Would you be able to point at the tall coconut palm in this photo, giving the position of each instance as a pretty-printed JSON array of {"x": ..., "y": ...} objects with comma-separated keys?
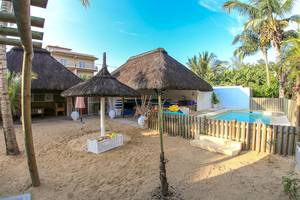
[
  {"x": 251, "y": 43},
  {"x": 269, "y": 14},
  {"x": 8, "y": 126},
  {"x": 292, "y": 58},
  {"x": 200, "y": 65}
]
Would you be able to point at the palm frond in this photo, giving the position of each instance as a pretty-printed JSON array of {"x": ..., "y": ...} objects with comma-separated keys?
[
  {"x": 255, "y": 24},
  {"x": 287, "y": 6},
  {"x": 241, "y": 7},
  {"x": 295, "y": 18},
  {"x": 85, "y": 3}
]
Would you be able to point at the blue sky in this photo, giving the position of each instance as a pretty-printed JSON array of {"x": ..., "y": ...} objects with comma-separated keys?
[{"x": 124, "y": 28}]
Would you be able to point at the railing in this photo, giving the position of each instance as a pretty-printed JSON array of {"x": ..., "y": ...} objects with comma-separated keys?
[
  {"x": 258, "y": 137},
  {"x": 276, "y": 105},
  {"x": 268, "y": 104}
]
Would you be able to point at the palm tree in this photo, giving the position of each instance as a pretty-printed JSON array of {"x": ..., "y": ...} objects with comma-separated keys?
[
  {"x": 201, "y": 65},
  {"x": 292, "y": 58},
  {"x": 251, "y": 43},
  {"x": 14, "y": 86},
  {"x": 8, "y": 126},
  {"x": 269, "y": 16}
]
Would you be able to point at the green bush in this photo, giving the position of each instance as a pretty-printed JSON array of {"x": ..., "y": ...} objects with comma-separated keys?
[
  {"x": 290, "y": 186},
  {"x": 214, "y": 99}
]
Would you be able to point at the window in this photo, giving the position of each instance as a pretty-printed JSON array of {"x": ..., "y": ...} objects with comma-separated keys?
[
  {"x": 42, "y": 98},
  {"x": 81, "y": 64},
  {"x": 49, "y": 98},
  {"x": 63, "y": 61}
]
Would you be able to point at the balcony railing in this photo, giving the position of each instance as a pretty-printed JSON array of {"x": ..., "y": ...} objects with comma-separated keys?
[{"x": 90, "y": 67}]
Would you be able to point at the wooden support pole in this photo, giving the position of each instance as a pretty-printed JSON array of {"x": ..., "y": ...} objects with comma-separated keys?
[
  {"x": 102, "y": 117},
  {"x": 11, "y": 18},
  {"x": 8, "y": 31},
  {"x": 163, "y": 174},
  {"x": 122, "y": 111},
  {"x": 37, "y": 3},
  {"x": 22, "y": 12},
  {"x": 15, "y": 42}
]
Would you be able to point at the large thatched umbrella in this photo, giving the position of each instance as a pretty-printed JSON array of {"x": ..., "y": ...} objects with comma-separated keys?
[
  {"x": 101, "y": 85},
  {"x": 157, "y": 71}
]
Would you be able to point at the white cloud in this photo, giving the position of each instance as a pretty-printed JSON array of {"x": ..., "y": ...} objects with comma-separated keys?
[
  {"x": 212, "y": 5},
  {"x": 295, "y": 11},
  {"x": 128, "y": 32},
  {"x": 234, "y": 30}
]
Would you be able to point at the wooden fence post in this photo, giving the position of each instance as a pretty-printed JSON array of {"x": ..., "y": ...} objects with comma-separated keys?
[{"x": 258, "y": 138}]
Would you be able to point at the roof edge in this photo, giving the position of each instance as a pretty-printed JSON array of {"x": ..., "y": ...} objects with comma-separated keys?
[
  {"x": 35, "y": 50},
  {"x": 160, "y": 49}
]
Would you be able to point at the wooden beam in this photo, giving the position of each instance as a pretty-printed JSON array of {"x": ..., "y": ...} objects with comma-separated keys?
[
  {"x": 37, "y": 3},
  {"x": 10, "y": 18},
  {"x": 8, "y": 31},
  {"x": 16, "y": 42}
]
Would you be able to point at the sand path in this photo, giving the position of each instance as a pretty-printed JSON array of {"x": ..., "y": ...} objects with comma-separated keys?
[{"x": 131, "y": 171}]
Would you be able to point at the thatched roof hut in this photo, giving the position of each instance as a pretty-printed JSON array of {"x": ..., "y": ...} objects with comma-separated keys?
[
  {"x": 101, "y": 85},
  {"x": 51, "y": 75},
  {"x": 157, "y": 70}
]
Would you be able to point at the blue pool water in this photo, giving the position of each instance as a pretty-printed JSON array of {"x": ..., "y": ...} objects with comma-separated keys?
[
  {"x": 173, "y": 113},
  {"x": 250, "y": 117}
]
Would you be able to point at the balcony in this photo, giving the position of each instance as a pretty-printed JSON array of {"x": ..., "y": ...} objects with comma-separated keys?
[{"x": 86, "y": 67}]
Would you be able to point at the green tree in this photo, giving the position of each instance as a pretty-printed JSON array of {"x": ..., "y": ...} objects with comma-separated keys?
[
  {"x": 7, "y": 120},
  {"x": 200, "y": 65},
  {"x": 292, "y": 58},
  {"x": 14, "y": 85},
  {"x": 268, "y": 16},
  {"x": 251, "y": 43},
  {"x": 207, "y": 66}
]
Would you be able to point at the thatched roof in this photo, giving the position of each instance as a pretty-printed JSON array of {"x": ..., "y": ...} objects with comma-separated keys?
[
  {"x": 102, "y": 85},
  {"x": 157, "y": 70},
  {"x": 51, "y": 75}
]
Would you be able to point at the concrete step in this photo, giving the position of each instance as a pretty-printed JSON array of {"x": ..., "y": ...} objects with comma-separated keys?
[{"x": 219, "y": 145}]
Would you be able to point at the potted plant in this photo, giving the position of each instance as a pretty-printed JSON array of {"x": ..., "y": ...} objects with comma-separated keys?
[{"x": 214, "y": 100}]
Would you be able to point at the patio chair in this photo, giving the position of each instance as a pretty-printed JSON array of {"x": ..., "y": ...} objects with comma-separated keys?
[{"x": 60, "y": 108}]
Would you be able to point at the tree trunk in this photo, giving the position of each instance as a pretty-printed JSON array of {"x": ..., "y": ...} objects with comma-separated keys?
[
  {"x": 8, "y": 126},
  {"x": 22, "y": 13},
  {"x": 298, "y": 98},
  {"x": 265, "y": 53},
  {"x": 162, "y": 167},
  {"x": 281, "y": 87},
  {"x": 280, "y": 73}
]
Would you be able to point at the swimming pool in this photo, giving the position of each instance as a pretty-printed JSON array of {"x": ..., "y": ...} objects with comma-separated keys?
[
  {"x": 173, "y": 113},
  {"x": 244, "y": 116}
]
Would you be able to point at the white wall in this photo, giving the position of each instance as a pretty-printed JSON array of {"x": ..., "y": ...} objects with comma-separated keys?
[
  {"x": 236, "y": 97},
  {"x": 203, "y": 100}
]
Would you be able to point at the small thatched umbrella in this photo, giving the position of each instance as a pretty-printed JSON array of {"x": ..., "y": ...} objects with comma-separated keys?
[{"x": 101, "y": 85}]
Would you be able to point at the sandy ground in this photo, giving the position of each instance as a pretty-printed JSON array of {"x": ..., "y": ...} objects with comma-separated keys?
[{"x": 131, "y": 171}]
